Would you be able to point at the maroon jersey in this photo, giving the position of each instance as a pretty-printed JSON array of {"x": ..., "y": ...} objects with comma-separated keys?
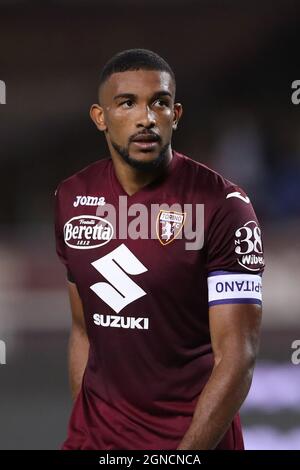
[{"x": 147, "y": 268}]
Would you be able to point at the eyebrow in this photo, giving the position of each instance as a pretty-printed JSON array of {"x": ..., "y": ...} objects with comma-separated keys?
[{"x": 132, "y": 96}]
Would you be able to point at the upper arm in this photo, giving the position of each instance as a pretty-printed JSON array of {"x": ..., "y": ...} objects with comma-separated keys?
[
  {"x": 76, "y": 306},
  {"x": 234, "y": 330},
  {"x": 78, "y": 320},
  {"x": 235, "y": 265}
]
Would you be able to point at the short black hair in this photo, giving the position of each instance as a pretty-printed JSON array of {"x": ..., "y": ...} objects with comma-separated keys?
[{"x": 135, "y": 59}]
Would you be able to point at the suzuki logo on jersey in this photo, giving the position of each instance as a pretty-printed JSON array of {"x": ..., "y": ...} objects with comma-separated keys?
[
  {"x": 169, "y": 225},
  {"x": 115, "y": 321},
  {"x": 89, "y": 201},
  {"x": 120, "y": 290},
  {"x": 87, "y": 231},
  {"x": 249, "y": 246}
]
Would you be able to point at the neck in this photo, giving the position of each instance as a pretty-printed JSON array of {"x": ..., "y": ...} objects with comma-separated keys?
[{"x": 133, "y": 179}]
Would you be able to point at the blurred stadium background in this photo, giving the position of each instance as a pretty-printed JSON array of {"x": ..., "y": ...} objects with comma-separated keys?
[{"x": 234, "y": 62}]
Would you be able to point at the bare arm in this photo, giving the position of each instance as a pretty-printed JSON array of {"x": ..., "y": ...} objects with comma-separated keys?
[
  {"x": 78, "y": 342},
  {"x": 234, "y": 333}
]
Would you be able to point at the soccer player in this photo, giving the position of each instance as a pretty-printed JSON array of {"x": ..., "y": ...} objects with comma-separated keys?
[{"x": 164, "y": 334}]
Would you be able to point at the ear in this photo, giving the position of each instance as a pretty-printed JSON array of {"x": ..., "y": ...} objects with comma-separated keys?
[
  {"x": 97, "y": 115},
  {"x": 177, "y": 113}
]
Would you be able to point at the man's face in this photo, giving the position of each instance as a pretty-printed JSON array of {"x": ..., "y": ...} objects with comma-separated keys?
[{"x": 138, "y": 115}]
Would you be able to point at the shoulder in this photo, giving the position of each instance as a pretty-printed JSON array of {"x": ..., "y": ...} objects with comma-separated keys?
[
  {"x": 83, "y": 177},
  {"x": 210, "y": 184}
]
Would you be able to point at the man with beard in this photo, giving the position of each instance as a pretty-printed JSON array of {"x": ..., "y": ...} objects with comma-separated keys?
[{"x": 164, "y": 338}]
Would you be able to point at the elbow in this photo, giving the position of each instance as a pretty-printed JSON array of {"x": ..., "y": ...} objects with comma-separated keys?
[
  {"x": 238, "y": 363},
  {"x": 249, "y": 358}
]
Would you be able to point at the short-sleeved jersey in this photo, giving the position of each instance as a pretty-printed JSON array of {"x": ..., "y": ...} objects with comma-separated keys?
[{"x": 147, "y": 268}]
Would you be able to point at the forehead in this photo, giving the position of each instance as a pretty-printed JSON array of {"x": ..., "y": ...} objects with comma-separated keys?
[{"x": 137, "y": 82}]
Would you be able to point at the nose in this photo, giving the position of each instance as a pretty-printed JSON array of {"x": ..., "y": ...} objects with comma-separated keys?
[{"x": 146, "y": 118}]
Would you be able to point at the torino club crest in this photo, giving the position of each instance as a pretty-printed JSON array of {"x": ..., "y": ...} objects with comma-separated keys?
[{"x": 169, "y": 225}]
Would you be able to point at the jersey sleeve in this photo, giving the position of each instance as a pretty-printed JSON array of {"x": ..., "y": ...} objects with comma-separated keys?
[
  {"x": 59, "y": 234},
  {"x": 235, "y": 259}
]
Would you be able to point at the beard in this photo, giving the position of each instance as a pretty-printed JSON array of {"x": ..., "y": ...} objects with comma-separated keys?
[{"x": 147, "y": 166}]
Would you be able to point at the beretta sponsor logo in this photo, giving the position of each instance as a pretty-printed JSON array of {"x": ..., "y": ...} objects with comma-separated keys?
[{"x": 87, "y": 231}]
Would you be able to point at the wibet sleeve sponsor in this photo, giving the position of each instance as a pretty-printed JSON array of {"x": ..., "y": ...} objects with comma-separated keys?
[{"x": 249, "y": 246}]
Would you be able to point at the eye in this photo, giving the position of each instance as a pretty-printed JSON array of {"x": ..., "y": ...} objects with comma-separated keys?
[
  {"x": 127, "y": 104},
  {"x": 161, "y": 103}
]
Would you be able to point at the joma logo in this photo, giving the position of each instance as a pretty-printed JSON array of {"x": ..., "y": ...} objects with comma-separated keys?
[{"x": 89, "y": 201}]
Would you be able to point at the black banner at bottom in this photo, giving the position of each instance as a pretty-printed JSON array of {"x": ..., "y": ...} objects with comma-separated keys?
[{"x": 133, "y": 459}]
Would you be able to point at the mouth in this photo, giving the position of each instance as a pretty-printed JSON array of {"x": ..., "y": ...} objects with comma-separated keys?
[
  {"x": 146, "y": 141},
  {"x": 145, "y": 145}
]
